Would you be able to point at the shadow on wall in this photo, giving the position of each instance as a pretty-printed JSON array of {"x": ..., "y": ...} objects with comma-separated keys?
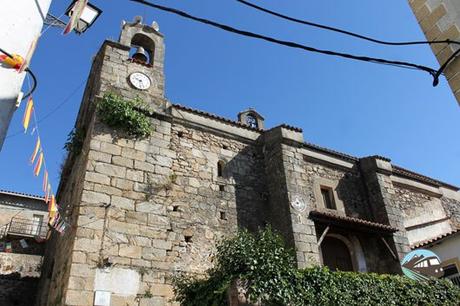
[
  {"x": 17, "y": 291},
  {"x": 245, "y": 171}
]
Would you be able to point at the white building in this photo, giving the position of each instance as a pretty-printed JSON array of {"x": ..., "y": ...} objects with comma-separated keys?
[{"x": 20, "y": 24}]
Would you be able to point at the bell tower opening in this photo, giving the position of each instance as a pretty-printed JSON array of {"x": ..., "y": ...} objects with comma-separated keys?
[{"x": 142, "y": 49}]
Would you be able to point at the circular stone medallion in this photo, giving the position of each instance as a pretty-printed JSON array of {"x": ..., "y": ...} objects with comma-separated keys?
[{"x": 298, "y": 204}]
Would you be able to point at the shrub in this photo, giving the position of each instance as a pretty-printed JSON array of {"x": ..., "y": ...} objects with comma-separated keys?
[
  {"x": 125, "y": 115},
  {"x": 268, "y": 270}
]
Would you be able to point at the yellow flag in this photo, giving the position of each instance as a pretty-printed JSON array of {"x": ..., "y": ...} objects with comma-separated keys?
[{"x": 28, "y": 114}]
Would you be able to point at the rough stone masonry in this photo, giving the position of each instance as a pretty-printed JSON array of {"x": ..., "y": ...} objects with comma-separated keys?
[{"x": 143, "y": 210}]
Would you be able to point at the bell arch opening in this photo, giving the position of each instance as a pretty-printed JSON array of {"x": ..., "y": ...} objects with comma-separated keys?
[{"x": 142, "y": 44}]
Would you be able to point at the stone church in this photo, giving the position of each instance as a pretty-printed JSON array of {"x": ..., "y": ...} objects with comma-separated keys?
[{"x": 142, "y": 210}]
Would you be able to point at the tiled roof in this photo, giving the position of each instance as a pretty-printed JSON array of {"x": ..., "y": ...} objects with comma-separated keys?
[
  {"x": 434, "y": 240},
  {"x": 331, "y": 152},
  {"x": 215, "y": 117},
  {"x": 20, "y": 194},
  {"x": 419, "y": 177},
  {"x": 354, "y": 222}
]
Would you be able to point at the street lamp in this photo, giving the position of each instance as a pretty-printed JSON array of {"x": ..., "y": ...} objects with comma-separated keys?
[{"x": 88, "y": 17}]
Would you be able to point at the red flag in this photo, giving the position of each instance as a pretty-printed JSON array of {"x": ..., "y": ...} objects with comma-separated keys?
[
  {"x": 28, "y": 114},
  {"x": 34, "y": 154},
  {"x": 38, "y": 165}
]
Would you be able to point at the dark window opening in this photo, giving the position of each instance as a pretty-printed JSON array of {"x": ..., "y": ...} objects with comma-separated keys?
[
  {"x": 188, "y": 239},
  {"x": 180, "y": 134},
  {"x": 175, "y": 208},
  {"x": 328, "y": 198},
  {"x": 221, "y": 188},
  {"x": 251, "y": 120},
  {"x": 225, "y": 147},
  {"x": 223, "y": 215},
  {"x": 220, "y": 168},
  {"x": 336, "y": 255},
  {"x": 450, "y": 270}
]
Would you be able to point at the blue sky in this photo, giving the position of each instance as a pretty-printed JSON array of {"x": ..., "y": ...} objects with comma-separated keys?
[{"x": 357, "y": 108}]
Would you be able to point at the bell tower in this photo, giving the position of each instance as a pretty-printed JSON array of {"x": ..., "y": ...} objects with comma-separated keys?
[{"x": 133, "y": 66}]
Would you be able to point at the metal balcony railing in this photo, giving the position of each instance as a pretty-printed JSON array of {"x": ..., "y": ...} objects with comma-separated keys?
[{"x": 24, "y": 228}]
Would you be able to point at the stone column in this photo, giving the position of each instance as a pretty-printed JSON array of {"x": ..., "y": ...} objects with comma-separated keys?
[
  {"x": 289, "y": 193},
  {"x": 376, "y": 173}
]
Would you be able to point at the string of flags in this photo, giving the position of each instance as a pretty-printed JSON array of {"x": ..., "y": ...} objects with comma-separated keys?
[{"x": 37, "y": 159}]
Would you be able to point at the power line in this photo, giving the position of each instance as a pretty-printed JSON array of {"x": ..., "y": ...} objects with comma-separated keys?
[
  {"x": 356, "y": 35},
  {"x": 434, "y": 73},
  {"x": 67, "y": 99}
]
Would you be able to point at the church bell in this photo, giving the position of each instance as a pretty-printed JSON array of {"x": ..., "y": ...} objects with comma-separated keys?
[{"x": 140, "y": 55}]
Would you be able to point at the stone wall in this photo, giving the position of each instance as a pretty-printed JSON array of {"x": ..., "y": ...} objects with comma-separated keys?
[
  {"x": 426, "y": 215},
  {"x": 19, "y": 275},
  {"x": 440, "y": 20}
]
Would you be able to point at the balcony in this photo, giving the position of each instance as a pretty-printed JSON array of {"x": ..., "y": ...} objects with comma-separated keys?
[{"x": 24, "y": 228}]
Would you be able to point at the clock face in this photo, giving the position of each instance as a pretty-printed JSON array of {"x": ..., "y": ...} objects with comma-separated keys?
[{"x": 140, "y": 80}]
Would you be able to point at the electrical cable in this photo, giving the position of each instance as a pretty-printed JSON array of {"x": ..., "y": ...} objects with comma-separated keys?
[
  {"x": 329, "y": 28},
  {"x": 434, "y": 73},
  {"x": 34, "y": 78},
  {"x": 66, "y": 99}
]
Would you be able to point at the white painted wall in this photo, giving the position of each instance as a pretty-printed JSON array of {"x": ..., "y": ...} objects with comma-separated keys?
[
  {"x": 20, "y": 22},
  {"x": 448, "y": 248}
]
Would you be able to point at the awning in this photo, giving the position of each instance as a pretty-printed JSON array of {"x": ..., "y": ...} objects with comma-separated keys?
[{"x": 356, "y": 224}]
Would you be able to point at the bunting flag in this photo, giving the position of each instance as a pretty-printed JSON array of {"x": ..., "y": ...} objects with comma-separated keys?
[
  {"x": 54, "y": 220},
  {"x": 45, "y": 180},
  {"x": 38, "y": 165},
  {"x": 47, "y": 194},
  {"x": 36, "y": 149},
  {"x": 26, "y": 62},
  {"x": 76, "y": 13},
  {"x": 28, "y": 114},
  {"x": 12, "y": 62},
  {"x": 52, "y": 208}
]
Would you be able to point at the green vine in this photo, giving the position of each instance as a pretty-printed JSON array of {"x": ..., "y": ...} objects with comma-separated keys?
[
  {"x": 125, "y": 115},
  {"x": 75, "y": 139},
  {"x": 268, "y": 274}
]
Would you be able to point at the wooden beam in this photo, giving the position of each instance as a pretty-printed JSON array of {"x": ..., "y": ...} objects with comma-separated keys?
[
  {"x": 389, "y": 248},
  {"x": 323, "y": 235}
]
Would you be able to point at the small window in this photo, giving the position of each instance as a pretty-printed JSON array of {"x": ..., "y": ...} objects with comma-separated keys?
[
  {"x": 220, "y": 168},
  {"x": 223, "y": 215},
  {"x": 221, "y": 188},
  {"x": 328, "y": 198},
  {"x": 188, "y": 239}
]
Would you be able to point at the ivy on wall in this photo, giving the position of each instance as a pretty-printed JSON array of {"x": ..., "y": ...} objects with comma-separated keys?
[
  {"x": 267, "y": 269},
  {"x": 125, "y": 115}
]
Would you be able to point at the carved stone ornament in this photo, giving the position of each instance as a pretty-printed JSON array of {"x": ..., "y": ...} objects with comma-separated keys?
[{"x": 298, "y": 204}]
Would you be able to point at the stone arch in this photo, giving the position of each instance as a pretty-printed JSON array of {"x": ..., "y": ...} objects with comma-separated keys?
[{"x": 144, "y": 41}]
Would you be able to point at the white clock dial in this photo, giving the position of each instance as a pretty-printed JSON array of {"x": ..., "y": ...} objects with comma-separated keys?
[{"x": 140, "y": 80}]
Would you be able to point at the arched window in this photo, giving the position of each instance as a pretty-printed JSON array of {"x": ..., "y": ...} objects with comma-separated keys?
[
  {"x": 220, "y": 168},
  {"x": 143, "y": 44}
]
